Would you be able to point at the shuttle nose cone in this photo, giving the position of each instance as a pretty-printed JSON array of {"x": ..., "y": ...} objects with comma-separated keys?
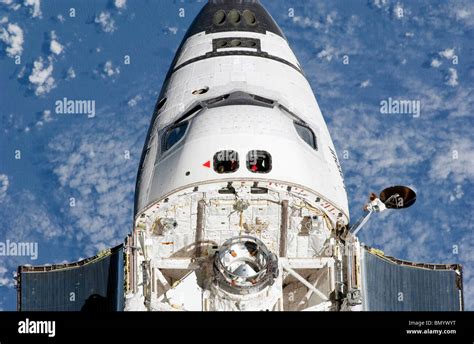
[{"x": 234, "y": 15}]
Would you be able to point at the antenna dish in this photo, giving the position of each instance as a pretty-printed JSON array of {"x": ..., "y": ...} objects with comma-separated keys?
[{"x": 398, "y": 197}]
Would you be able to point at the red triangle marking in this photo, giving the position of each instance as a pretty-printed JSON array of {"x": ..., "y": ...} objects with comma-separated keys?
[{"x": 207, "y": 164}]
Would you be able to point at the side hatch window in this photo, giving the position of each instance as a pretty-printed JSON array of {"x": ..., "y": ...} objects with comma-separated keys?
[
  {"x": 259, "y": 161},
  {"x": 226, "y": 161}
]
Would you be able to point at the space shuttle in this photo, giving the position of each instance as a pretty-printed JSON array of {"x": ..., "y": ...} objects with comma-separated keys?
[{"x": 240, "y": 203}]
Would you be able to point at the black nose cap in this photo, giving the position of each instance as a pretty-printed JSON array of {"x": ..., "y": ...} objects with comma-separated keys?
[{"x": 234, "y": 15}]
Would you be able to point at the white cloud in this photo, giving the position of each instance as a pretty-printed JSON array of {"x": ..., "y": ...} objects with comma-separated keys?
[
  {"x": 456, "y": 163},
  {"x": 330, "y": 18},
  {"x": 41, "y": 77},
  {"x": 327, "y": 53},
  {"x": 447, "y": 53},
  {"x": 380, "y": 3},
  {"x": 398, "y": 11},
  {"x": 458, "y": 193},
  {"x": 435, "y": 63},
  {"x": 462, "y": 11},
  {"x": 55, "y": 47},
  {"x": 451, "y": 78},
  {"x": 134, "y": 101},
  {"x": 109, "y": 70},
  {"x": 461, "y": 103},
  {"x": 106, "y": 22},
  {"x": 321, "y": 24},
  {"x": 32, "y": 218},
  {"x": 94, "y": 169},
  {"x": 173, "y": 30},
  {"x": 71, "y": 74},
  {"x": 4, "y": 183},
  {"x": 120, "y": 3},
  {"x": 35, "y": 7},
  {"x": 306, "y": 22},
  {"x": 11, "y": 4},
  {"x": 13, "y": 38},
  {"x": 5, "y": 281},
  {"x": 21, "y": 73},
  {"x": 45, "y": 118}
]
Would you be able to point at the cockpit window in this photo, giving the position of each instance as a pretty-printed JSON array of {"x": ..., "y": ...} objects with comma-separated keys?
[
  {"x": 226, "y": 161},
  {"x": 174, "y": 134},
  {"x": 259, "y": 161},
  {"x": 306, "y": 134}
]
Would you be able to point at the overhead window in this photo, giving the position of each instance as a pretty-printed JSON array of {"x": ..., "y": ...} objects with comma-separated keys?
[
  {"x": 306, "y": 134},
  {"x": 259, "y": 161},
  {"x": 174, "y": 134},
  {"x": 226, "y": 161}
]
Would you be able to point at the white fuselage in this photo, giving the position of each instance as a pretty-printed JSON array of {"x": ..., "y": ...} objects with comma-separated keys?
[
  {"x": 241, "y": 128},
  {"x": 246, "y": 98}
]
